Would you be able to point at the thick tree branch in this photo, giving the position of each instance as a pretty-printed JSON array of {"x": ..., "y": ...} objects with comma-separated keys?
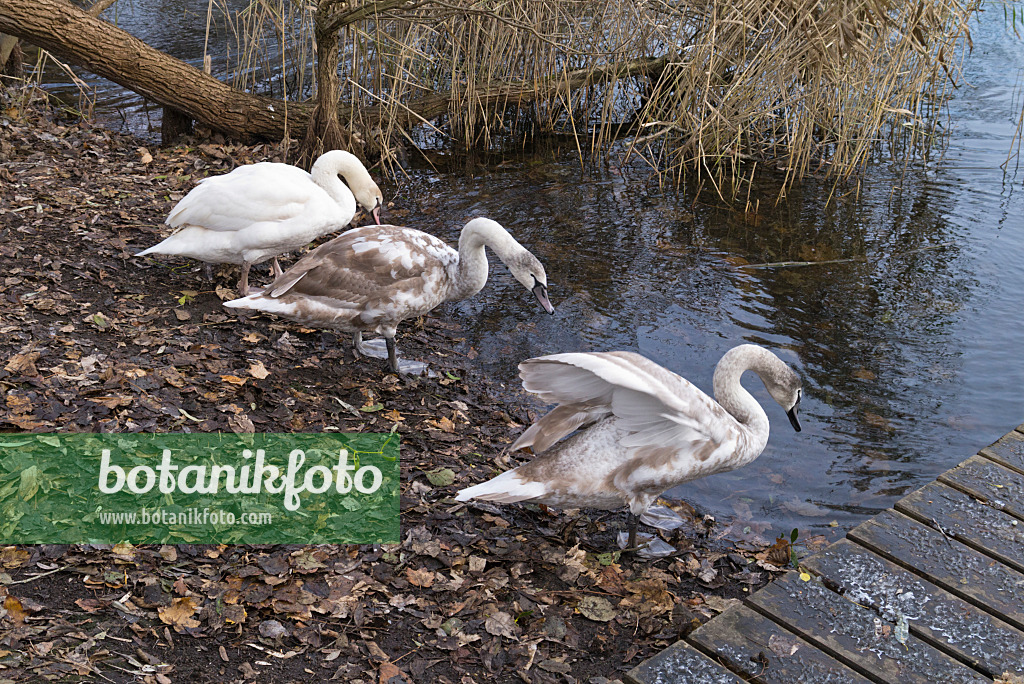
[{"x": 337, "y": 21}]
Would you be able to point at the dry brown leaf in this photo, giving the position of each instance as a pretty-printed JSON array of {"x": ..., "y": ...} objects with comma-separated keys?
[
  {"x": 123, "y": 550},
  {"x": 23, "y": 364},
  {"x": 445, "y": 424},
  {"x": 501, "y": 624},
  {"x": 111, "y": 402},
  {"x": 15, "y": 611},
  {"x": 13, "y": 557},
  {"x": 234, "y": 614},
  {"x": 179, "y": 614},
  {"x": 420, "y": 578},
  {"x": 241, "y": 424},
  {"x": 91, "y": 605},
  {"x": 234, "y": 379},
  {"x": 391, "y": 674},
  {"x": 648, "y": 597},
  {"x": 258, "y": 370}
]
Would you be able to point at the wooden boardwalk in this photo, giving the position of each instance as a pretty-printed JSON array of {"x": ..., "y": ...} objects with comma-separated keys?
[{"x": 929, "y": 591}]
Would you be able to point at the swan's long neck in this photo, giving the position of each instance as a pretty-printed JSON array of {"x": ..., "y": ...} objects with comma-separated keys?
[
  {"x": 737, "y": 400},
  {"x": 325, "y": 174},
  {"x": 472, "y": 272}
]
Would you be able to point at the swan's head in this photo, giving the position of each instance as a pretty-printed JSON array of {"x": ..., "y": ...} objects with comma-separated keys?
[
  {"x": 528, "y": 270},
  {"x": 348, "y": 166},
  {"x": 784, "y": 386},
  {"x": 368, "y": 195}
]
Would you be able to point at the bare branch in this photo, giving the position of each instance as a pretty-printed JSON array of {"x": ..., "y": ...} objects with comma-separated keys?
[{"x": 97, "y": 9}]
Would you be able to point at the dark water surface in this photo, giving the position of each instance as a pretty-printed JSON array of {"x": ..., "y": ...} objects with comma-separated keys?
[{"x": 910, "y": 351}]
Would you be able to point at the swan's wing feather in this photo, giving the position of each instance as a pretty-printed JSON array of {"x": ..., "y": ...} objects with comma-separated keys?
[
  {"x": 659, "y": 408},
  {"x": 256, "y": 193},
  {"x": 372, "y": 263},
  {"x": 559, "y": 422}
]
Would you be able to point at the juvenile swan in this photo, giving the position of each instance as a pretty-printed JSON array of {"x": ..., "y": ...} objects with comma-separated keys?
[
  {"x": 641, "y": 429},
  {"x": 263, "y": 210},
  {"x": 373, "y": 278}
]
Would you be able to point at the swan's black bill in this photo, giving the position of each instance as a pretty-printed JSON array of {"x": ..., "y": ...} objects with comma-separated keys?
[
  {"x": 793, "y": 420},
  {"x": 541, "y": 293}
]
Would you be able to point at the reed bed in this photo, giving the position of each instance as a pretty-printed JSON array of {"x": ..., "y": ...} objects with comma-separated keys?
[{"x": 705, "y": 87}]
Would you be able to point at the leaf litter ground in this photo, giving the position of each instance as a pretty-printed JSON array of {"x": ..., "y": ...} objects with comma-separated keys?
[{"x": 93, "y": 340}]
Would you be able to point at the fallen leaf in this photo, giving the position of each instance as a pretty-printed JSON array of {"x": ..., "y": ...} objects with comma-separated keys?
[
  {"x": 420, "y": 578},
  {"x": 502, "y": 624},
  {"x": 234, "y": 379},
  {"x": 445, "y": 424},
  {"x": 258, "y": 370},
  {"x": 389, "y": 673},
  {"x": 91, "y": 605},
  {"x": 272, "y": 629},
  {"x": 596, "y": 608},
  {"x": 23, "y": 364},
  {"x": 29, "y": 483},
  {"x": 783, "y": 645},
  {"x": 442, "y": 477},
  {"x": 13, "y": 557},
  {"x": 179, "y": 614},
  {"x": 15, "y": 611}
]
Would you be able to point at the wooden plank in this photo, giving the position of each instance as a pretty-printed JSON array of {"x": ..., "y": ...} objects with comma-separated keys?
[
  {"x": 754, "y": 645},
  {"x": 681, "y": 662},
  {"x": 1009, "y": 451},
  {"x": 955, "y": 567},
  {"x": 931, "y": 613},
  {"x": 1000, "y": 487},
  {"x": 857, "y": 635},
  {"x": 968, "y": 520}
]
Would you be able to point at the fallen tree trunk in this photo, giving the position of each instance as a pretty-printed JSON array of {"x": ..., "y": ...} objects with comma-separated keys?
[{"x": 105, "y": 50}]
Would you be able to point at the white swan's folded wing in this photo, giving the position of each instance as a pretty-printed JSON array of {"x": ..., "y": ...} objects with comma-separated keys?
[
  {"x": 255, "y": 193},
  {"x": 660, "y": 409}
]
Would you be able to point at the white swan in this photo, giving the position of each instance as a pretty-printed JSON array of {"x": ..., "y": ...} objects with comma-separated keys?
[
  {"x": 642, "y": 429},
  {"x": 260, "y": 211},
  {"x": 373, "y": 278}
]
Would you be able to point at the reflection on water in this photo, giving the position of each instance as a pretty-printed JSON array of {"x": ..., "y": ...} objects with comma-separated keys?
[{"x": 908, "y": 341}]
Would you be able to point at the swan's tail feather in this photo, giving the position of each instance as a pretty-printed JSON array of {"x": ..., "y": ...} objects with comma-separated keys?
[
  {"x": 508, "y": 487},
  {"x": 258, "y": 302}
]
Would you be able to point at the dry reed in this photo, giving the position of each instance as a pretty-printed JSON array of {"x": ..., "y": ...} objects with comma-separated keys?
[{"x": 690, "y": 86}]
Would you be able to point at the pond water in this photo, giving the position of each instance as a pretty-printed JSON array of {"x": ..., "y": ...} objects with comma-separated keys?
[{"x": 908, "y": 342}]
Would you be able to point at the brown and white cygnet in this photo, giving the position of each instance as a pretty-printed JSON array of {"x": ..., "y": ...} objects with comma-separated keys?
[
  {"x": 260, "y": 211},
  {"x": 640, "y": 429},
  {"x": 374, "y": 277}
]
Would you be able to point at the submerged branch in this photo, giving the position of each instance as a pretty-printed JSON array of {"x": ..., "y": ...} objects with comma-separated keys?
[{"x": 852, "y": 260}]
